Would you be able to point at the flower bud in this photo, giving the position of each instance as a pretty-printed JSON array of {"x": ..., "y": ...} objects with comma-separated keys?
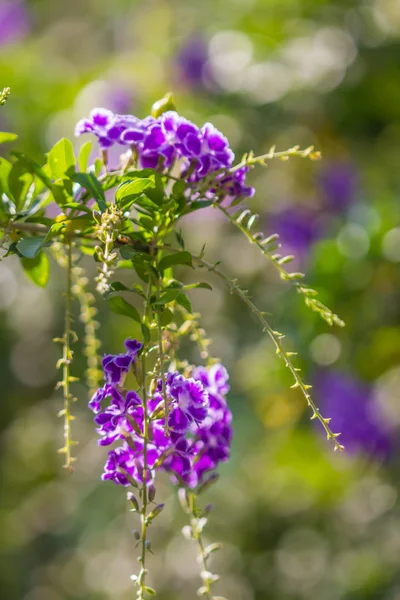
[
  {"x": 156, "y": 511},
  {"x": 161, "y": 106},
  {"x": 184, "y": 500},
  {"x": 212, "y": 479},
  {"x": 133, "y": 500},
  {"x": 151, "y": 492}
]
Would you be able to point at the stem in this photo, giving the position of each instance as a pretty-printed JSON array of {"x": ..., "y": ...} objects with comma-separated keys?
[
  {"x": 161, "y": 356},
  {"x": 278, "y": 262},
  {"x": 196, "y": 529},
  {"x": 66, "y": 362},
  {"x": 250, "y": 160},
  {"x": 88, "y": 313},
  {"x": 141, "y": 580},
  {"x": 142, "y": 559},
  {"x": 276, "y": 339}
]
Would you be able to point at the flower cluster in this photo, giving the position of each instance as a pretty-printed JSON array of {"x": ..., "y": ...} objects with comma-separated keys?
[
  {"x": 199, "y": 423},
  {"x": 160, "y": 143}
]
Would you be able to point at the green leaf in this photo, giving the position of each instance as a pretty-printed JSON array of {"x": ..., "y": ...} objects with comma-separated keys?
[
  {"x": 34, "y": 168},
  {"x": 37, "y": 269},
  {"x": 156, "y": 193},
  {"x": 129, "y": 191},
  {"x": 61, "y": 158},
  {"x": 55, "y": 230},
  {"x": 5, "y": 205},
  {"x": 127, "y": 252},
  {"x": 90, "y": 182},
  {"x": 62, "y": 192},
  {"x": 117, "y": 286},
  {"x": 120, "y": 306},
  {"x": 98, "y": 165},
  {"x": 145, "y": 333},
  {"x": 179, "y": 187},
  {"x": 179, "y": 258},
  {"x": 184, "y": 301},
  {"x": 19, "y": 182},
  {"x": 7, "y": 137},
  {"x": 168, "y": 296},
  {"x": 201, "y": 284},
  {"x": 166, "y": 317},
  {"x": 30, "y": 246},
  {"x": 84, "y": 154}
]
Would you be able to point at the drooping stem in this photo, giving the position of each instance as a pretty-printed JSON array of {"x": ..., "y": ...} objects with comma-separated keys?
[
  {"x": 244, "y": 222},
  {"x": 192, "y": 327},
  {"x": 88, "y": 313},
  {"x": 194, "y": 531},
  {"x": 65, "y": 362},
  {"x": 276, "y": 338}
]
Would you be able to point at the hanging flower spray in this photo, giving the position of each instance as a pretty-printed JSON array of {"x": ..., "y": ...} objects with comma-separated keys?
[{"x": 153, "y": 410}]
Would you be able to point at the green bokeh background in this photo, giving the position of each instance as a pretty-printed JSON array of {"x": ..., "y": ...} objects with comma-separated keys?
[{"x": 297, "y": 521}]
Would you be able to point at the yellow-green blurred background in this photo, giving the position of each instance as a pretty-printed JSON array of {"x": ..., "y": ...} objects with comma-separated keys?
[{"x": 297, "y": 521}]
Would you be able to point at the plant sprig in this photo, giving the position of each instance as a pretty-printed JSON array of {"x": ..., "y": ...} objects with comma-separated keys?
[
  {"x": 285, "y": 355},
  {"x": 244, "y": 221}
]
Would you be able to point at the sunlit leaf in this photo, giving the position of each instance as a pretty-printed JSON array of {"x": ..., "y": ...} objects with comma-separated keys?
[
  {"x": 61, "y": 158},
  {"x": 37, "y": 269}
]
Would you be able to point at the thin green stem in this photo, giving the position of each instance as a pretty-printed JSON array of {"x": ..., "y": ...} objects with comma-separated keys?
[
  {"x": 250, "y": 160},
  {"x": 276, "y": 338},
  {"x": 207, "y": 582},
  {"x": 66, "y": 363},
  {"x": 161, "y": 355},
  {"x": 144, "y": 544},
  {"x": 244, "y": 223}
]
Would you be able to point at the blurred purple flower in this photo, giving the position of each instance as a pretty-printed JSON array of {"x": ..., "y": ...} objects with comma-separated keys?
[
  {"x": 338, "y": 183},
  {"x": 119, "y": 98},
  {"x": 298, "y": 228},
  {"x": 354, "y": 413},
  {"x": 192, "y": 61},
  {"x": 14, "y": 21}
]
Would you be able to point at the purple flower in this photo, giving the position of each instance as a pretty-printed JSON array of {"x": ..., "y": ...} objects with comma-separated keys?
[
  {"x": 354, "y": 413},
  {"x": 133, "y": 347},
  {"x": 113, "y": 422},
  {"x": 107, "y": 126},
  {"x": 116, "y": 367},
  {"x": 14, "y": 21},
  {"x": 190, "y": 402},
  {"x": 338, "y": 182},
  {"x": 192, "y": 61},
  {"x": 298, "y": 227},
  {"x": 199, "y": 422},
  {"x": 172, "y": 139},
  {"x": 126, "y": 460}
]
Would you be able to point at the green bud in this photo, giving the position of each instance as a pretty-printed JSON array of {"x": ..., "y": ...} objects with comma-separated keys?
[
  {"x": 161, "y": 106},
  {"x": 156, "y": 511},
  {"x": 133, "y": 500},
  {"x": 97, "y": 216}
]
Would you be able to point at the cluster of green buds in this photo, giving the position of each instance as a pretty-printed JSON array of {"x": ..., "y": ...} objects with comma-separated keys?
[{"x": 108, "y": 228}]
